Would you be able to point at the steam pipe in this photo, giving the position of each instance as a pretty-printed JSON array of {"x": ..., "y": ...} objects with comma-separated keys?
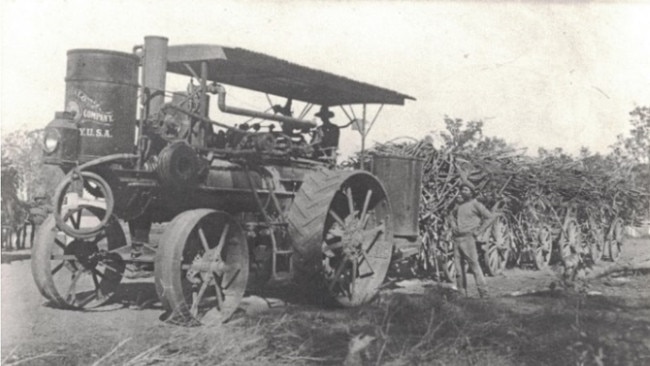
[{"x": 293, "y": 122}]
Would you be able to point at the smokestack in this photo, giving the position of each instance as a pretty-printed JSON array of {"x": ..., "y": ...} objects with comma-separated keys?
[{"x": 154, "y": 67}]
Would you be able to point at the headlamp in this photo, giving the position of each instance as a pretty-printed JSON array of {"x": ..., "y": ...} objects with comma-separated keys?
[{"x": 51, "y": 140}]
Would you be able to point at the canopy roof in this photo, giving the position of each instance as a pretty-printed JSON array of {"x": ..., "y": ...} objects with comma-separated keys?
[{"x": 266, "y": 74}]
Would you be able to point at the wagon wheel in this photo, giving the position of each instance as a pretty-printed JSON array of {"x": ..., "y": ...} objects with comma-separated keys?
[
  {"x": 447, "y": 261},
  {"x": 596, "y": 244},
  {"x": 615, "y": 240},
  {"x": 201, "y": 267},
  {"x": 543, "y": 248},
  {"x": 569, "y": 239},
  {"x": 340, "y": 224},
  {"x": 78, "y": 273},
  {"x": 498, "y": 247},
  {"x": 89, "y": 190},
  {"x": 427, "y": 256}
]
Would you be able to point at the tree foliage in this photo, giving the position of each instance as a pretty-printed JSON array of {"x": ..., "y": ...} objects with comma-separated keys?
[
  {"x": 636, "y": 146},
  {"x": 22, "y": 154}
]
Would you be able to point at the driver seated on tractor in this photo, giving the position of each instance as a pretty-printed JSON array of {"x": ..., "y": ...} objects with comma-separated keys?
[{"x": 326, "y": 136}]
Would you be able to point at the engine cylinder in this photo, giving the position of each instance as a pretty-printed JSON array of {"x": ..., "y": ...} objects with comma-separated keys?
[{"x": 101, "y": 90}]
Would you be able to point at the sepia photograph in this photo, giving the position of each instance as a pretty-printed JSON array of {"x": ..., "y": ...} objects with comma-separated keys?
[{"x": 392, "y": 182}]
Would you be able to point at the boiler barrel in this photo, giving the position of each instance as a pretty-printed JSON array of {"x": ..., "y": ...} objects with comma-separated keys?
[
  {"x": 101, "y": 89},
  {"x": 402, "y": 177}
]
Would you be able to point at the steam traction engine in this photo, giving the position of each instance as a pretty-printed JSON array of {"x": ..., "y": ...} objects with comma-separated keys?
[{"x": 246, "y": 205}]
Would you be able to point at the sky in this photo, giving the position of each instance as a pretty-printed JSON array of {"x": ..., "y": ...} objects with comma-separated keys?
[{"x": 538, "y": 74}]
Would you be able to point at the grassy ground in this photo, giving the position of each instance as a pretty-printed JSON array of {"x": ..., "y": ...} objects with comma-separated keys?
[
  {"x": 438, "y": 328},
  {"x": 601, "y": 322}
]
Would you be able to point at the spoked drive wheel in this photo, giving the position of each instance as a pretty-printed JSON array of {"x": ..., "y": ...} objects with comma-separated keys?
[
  {"x": 498, "y": 247},
  {"x": 78, "y": 273},
  {"x": 340, "y": 225},
  {"x": 201, "y": 267},
  {"x": 543, "y": 248}
]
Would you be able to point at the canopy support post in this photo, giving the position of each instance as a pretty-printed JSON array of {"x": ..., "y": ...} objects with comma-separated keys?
[{"x": 363, "y": 138}]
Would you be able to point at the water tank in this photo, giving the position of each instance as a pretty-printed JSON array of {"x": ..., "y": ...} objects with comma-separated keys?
[
  {"x": 402, "y": 177},
  {"x": 101, "y": 90}
]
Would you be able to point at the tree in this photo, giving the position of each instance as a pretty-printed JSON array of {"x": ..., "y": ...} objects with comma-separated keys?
[
  {"x": 458, "y": 138},
  {"x": 11, "y": 178},
  {"x": 636, "y": 146},
  {"x": 22, "y": 151}
]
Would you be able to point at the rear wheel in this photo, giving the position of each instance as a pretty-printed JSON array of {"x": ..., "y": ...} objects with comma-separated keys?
[
  {"x": 340, "y": 225},
  {"x": 78, "y": 273},
  {"x": 201, "y": 267}
]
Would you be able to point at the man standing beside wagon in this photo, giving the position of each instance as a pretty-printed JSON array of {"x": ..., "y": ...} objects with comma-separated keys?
[{"x": 468, "y": 220}]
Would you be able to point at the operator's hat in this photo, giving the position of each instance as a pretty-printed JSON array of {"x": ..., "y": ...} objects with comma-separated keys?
[{"x": 324, "y": 112}]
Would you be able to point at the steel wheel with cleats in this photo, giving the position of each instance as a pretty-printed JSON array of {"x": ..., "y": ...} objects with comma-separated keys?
[
  {"x": 78, "y": 273},
  {"x": 201, "y": 267},
  {"x": 340, "y": 224}
]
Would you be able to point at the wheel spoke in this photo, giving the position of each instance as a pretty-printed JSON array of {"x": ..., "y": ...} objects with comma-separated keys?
[
  {"x": 88, "y": 299},
  {"x": 353, "y": 279},
  {"x": 327, "y": 250},
  {"x": 222, "y": 240},
  {"x": 373, "y": 235},
  {"x": 232, "y": 280},
  {"x": 196, "y": 298},
  {"x": 78, "y": 223},
  {"x": 337, "y": 218},
  {"x": 365, "y": 260},
  {"x": 337, "y": 273},
  {"x": 59, "y": 243},
  {"x": 97, "y": 273},
  {"x": 63, "y": 257},
  {"x": 70, "y": 294},
  {"x": 111, "y": 268},
  {"x": 57, "y": 268},
  {"x": 219, "y": 293},
  {"x": 364, "y": 211},
  {"x": 348, "y": 194},
  {"x": 204, "y": 241},
  {"x": 334, "y": 232}
]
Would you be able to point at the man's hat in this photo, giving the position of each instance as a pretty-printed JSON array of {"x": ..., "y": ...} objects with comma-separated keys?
[
  {"x": 469, "y": 185},
  {"x": 324, "y": 112}
]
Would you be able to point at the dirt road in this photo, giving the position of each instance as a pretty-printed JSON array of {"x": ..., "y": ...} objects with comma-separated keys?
[{"x": 34, "y": 333}]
